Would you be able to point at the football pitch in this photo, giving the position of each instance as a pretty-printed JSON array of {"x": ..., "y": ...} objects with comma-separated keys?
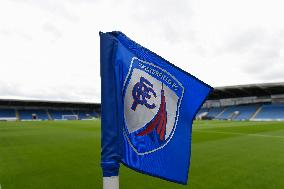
[{"x": 66, "y": 155}]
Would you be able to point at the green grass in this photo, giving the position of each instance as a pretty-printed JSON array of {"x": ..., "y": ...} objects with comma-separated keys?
[{"x": 66, "y": 155}]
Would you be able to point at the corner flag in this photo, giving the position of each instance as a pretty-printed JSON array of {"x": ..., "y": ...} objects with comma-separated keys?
[{"x": 148, "y": 106}]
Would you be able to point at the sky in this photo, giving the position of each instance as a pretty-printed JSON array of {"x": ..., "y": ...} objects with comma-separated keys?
[{"x": 49, "y": 49}]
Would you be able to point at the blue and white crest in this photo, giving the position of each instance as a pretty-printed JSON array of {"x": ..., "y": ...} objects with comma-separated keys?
[{"x": 152, "y": 98}]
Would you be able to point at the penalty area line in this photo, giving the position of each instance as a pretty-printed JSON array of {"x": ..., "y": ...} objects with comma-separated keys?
[{"x": 243, "y": 134}]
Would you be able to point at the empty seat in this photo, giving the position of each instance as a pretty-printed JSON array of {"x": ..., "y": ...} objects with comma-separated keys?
[
  {"x": 58, "y": 114},
  {"x": 271, "y": 111},
  {"x": 7, "y": 113},
  {"x": 27, "y": 114}
]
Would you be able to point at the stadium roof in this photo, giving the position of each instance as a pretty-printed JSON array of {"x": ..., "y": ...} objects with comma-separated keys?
[
  {"x": 237, "y": 91},
  {"x": 42, "y": 103}
]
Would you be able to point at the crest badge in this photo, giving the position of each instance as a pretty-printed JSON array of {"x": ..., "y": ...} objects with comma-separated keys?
[{"x": 152, "y": 99}]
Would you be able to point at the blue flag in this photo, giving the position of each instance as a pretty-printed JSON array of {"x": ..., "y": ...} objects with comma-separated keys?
[{"x": 148, "y": 106}]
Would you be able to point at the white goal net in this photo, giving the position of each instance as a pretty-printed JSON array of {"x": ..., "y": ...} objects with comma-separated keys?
[{"x": 70, "y": 117}]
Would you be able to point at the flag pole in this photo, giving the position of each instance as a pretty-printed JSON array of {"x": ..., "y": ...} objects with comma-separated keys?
[
  {"x": 111, "y": 182},
  {"x": 110, "y": 116}
]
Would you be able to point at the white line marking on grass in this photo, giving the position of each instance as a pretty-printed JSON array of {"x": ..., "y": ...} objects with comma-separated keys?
[{"x": 244, "y": 134}]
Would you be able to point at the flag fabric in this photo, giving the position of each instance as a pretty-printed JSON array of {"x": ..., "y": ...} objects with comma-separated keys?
[{"x": 148, "y": 106}]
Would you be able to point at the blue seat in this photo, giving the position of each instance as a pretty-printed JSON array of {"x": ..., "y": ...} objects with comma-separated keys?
[
  {"x": 245, "y": 112},
  {"x": 86, "y": 114},
  {"x": 214, "y": 112},
  {"x": 27, "y": 114},
  {"x": 271, "y": 111},
  {"x": 7, "y": 113},
  {"x": 57, "y": 114}
]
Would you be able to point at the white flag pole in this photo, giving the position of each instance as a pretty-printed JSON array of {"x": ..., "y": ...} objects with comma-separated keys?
[{"x": 111, "y": 182}]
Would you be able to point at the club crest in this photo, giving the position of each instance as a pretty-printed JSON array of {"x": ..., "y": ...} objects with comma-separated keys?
[{"x": 152, "y": 99}]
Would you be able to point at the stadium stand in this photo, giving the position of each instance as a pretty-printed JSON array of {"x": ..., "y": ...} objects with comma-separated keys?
[
  {"x": 58, "y": 114},
  {"x": 7, "y": 113},
  {"x": 33, "y": 114},
  {"x": 86, "y": 114},
  {"x": 242, "y": 112},
  {"x": 11, "y": 110},
  {"x": 246, "y": 112},
  {"x": 245, "y": 102},
  {"x": 227, "y": 113},
  {"x": 242, "y": 102},
  {"x": 271, "y": 112},
  {"x": 214, "y": 112},
  {"x": 201, "y": 112}
]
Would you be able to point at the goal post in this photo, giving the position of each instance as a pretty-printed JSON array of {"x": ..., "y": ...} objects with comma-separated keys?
[{"x": 70, "y": 117}]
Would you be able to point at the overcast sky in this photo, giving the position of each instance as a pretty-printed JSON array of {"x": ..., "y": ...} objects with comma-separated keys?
[{"x": 49, "y": 49}]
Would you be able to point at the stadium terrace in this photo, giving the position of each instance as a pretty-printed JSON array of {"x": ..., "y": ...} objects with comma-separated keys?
[
  {"x": 27, "y": 110},
  {"x": 255, "y": 102}
]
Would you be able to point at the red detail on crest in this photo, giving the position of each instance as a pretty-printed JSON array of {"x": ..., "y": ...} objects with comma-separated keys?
[{"x": 159, "y": 121}]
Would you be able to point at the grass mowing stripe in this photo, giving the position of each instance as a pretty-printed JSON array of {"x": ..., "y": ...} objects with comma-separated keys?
[
  {"x": 59, "y": 155},
  {"x": 243, "y": 134}
]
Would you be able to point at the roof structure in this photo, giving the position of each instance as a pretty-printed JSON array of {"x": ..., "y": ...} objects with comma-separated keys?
[
  {"x": 237, "y": 91},
  {"x": 55, "y": 104}
]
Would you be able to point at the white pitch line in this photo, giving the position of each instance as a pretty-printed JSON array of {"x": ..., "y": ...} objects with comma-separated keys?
[{"x": 257, "y": 135}]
